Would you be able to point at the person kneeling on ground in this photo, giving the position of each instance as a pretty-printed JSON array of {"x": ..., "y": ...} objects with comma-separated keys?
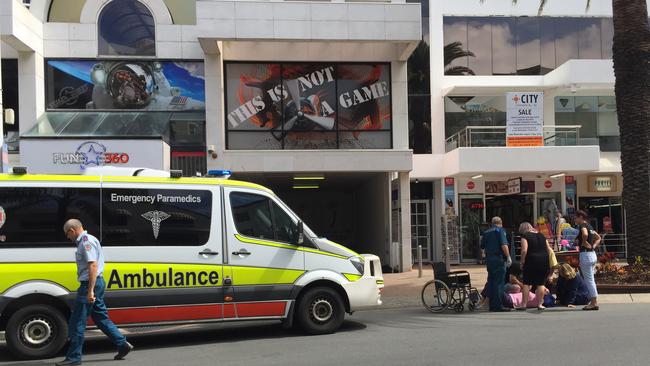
[{"x": 571, "y": 288}]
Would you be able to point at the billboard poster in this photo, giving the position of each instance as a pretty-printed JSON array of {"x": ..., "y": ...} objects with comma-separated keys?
[
  {"x": 525, "y": 119},
  {"x": 308, "y": 106},
  {"x": 125, "y": 85}
]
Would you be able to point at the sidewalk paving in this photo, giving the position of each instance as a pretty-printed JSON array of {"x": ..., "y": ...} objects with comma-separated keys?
[{"x": 404, "y": 289}]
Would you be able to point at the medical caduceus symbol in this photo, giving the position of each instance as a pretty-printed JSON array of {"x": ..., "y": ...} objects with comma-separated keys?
[{"x": 156, "y": 217}]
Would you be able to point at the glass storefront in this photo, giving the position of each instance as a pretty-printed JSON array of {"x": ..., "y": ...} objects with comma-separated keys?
[
  {"x": 524, "y": 45},
  {"x": 596, "y": 115},
  {"x": 463, "y": 111},
  {"x": 471, "y": 218}
]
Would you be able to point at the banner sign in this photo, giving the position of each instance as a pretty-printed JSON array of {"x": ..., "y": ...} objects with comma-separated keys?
[
  {"x": 514, "y": 186},
  {"x": 525, "y": 119},
  {"x": 308, "y": 106},
  {"x": 450, "y": 196},
  {"x": 73, "y": 156},
  {"x": 119, "y": 85},
  {"x": 571, "y": 191}
]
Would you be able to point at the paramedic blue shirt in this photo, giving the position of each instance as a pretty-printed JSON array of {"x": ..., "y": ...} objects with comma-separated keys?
[
  {"x": 88, "y": 250},
  {"x": 493, "y": 239}
]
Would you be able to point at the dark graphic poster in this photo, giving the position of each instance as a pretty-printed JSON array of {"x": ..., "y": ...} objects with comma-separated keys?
[
  {"x": 125, "y": 85},
  {"x": 308, "y": 106}
]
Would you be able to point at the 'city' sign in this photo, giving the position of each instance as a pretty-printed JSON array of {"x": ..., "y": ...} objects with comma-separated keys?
[{"x": 525, "y": 119}]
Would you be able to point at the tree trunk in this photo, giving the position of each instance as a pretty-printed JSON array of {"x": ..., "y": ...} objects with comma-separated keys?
[{"x": 631, "y": 54}]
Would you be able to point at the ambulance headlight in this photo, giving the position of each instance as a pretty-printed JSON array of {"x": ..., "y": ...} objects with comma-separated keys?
[{"x": 358, "y": 264}]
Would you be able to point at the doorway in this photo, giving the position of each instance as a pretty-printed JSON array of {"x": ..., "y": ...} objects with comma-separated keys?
[
  {"x": 512, "y": 209},
  {"x": 471, "y": 217},
  {"x": 420, "y": 229}
]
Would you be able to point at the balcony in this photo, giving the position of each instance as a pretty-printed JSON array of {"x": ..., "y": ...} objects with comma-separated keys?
[{"x": 495, "y": 136}]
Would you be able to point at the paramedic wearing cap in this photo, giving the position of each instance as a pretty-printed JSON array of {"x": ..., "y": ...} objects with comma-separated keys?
[{"x": 90, "y": 296}]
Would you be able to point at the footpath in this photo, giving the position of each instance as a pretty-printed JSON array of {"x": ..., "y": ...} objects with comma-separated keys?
[{"x": 404, "y": 289}]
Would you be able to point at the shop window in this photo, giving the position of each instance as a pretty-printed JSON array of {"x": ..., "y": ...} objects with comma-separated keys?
[
  {"x": 308, "y": 106},
  {"x": 35, "y": 216},
  {"x": 528, "y": 46},
  {"x": 504, "y": 46},
  {"x": 464, "y": 111},
  {"x": 522, "y": 45},
  {"x": 156, "y": 217},
  {"x": 596, "y": 116},
  {"x": 126, "y": 28}
]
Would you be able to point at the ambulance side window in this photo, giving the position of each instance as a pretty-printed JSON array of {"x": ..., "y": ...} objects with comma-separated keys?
[
  {"x": 252, "y": 215},
  {"x": 34, "y": 216},
  {"x": 155, "y": 217},
  {"x": 283, "y": 225}
]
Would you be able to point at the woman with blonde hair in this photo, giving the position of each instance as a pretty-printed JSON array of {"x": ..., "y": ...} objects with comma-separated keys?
[
  {"x": 534, "y": 262},
  {"x": 571, "y": 288}
]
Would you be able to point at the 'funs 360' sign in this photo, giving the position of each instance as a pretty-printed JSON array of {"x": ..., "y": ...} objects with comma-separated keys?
[{"x": 90, "y": 153}]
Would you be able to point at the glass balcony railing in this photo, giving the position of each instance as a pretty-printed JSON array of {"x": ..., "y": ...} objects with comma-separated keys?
[{"x": 495, "y": 136}]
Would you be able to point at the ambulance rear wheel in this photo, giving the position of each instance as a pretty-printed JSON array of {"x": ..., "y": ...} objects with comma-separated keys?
[
  {"x": 36, "y": 331},
  {"x": 320, "y": 311}
]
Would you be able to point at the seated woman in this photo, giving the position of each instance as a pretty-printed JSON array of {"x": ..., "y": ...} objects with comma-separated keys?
[
  {"x": 571, "y": 289},
  {"x": 514, "y": 278}
]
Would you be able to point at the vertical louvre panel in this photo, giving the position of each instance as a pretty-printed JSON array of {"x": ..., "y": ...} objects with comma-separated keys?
[{"x": 189, "y": 162}]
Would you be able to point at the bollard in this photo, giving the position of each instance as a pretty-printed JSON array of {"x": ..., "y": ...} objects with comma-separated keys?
[{"x": 419, "y": 261}]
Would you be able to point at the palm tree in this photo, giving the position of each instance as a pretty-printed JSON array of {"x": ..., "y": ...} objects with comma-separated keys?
[
  {"x": 454, "y": 51},
  {"x": 631, "y": 56}
]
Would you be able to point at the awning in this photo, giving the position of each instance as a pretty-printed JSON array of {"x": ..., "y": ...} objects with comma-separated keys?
[{"x": 107, "y": 124}]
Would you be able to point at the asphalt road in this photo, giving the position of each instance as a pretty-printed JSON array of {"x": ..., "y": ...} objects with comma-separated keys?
[{"x": 615, "y": 335}]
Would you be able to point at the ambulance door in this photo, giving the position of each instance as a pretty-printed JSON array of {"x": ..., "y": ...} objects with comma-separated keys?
[
  {"x": 263, "y": 262},
  {"x": 164, "y": 252}
]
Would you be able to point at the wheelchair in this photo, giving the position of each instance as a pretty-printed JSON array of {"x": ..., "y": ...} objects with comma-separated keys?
[{"x": 449, "y": 290}]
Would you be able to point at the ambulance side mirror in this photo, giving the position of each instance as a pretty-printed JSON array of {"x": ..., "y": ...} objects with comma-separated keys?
[{"x": 299, "y": 238}]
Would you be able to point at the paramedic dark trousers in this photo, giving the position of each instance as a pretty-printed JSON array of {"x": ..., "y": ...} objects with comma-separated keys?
[
  {"x": 496, "y": 269},
  {"x": 98, "y": 312}
]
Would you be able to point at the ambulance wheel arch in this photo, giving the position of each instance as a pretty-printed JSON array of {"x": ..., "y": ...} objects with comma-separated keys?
[{"x": 36, "y": 326}]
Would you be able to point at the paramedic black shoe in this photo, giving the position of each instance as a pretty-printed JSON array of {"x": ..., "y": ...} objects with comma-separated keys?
[
  {"x": 67, "y": 362},
  {"x": 123, "y": 351}
]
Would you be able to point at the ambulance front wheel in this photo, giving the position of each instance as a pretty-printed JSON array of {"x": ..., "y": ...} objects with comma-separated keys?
[
  {"x": 36, "y": 331},
  {"x": 320, "y": 311}
]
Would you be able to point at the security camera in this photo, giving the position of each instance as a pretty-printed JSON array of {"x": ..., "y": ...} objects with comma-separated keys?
[{"x": 212, "y": 151}]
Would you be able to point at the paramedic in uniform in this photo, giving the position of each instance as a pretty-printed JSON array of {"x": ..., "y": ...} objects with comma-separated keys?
[
  {"x": 497, "y": 258},
  {"x": 90, "y": 296}
]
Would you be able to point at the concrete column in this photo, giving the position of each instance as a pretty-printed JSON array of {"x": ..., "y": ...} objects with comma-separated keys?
[
  {"x": 405, "y": 218},
  {"x": 31, "y": 89},
  {"x": 214, "y": 97},
  {"x": 437, "y": 70},
  {"x": 438, "y": 208},
  {"x": 399, "y": 79}
]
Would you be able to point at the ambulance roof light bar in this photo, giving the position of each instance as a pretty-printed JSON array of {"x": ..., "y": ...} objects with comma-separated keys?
[{"x": 223, "y": 173}]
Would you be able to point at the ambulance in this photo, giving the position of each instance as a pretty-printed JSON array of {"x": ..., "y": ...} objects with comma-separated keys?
[{"x": 178, "y": 250}]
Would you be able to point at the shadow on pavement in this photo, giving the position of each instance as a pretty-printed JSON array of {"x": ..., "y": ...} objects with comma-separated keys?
[{"x": 188, "y": 335}]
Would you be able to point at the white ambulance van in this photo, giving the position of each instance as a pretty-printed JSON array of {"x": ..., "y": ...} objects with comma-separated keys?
[{"x": 178, "y": 250}]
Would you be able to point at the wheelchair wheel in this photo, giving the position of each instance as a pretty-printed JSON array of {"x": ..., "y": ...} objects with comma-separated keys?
[
  {"x": 459, "y": 308},
  {"x": 436, "y": 296}
]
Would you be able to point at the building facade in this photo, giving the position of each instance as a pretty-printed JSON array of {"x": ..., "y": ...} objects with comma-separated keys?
[
  {"x": 466, "y": 168},
  {"x": 307, "y": 98}
]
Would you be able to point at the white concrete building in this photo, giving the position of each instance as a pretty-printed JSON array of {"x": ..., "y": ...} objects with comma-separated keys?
[
  {"x": 308, "y": 98},
  {"x": 463, "y": 171}
]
